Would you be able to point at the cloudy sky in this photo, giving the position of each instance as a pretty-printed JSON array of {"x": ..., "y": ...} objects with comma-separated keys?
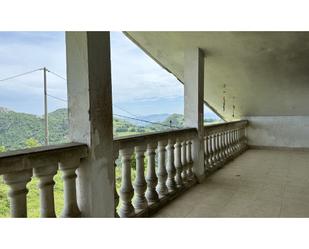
[{"x": 140, "y": 86}]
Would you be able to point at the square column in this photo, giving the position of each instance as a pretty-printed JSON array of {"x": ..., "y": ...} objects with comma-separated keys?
[
  {"x": 194, "y": 104},
  {"x": 90, "y": 119}
]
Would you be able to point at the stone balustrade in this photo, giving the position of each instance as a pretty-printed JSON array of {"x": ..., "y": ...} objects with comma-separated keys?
[
  {"x": 163, "y": 167},
  {"x": 223, "y": 142},
  {"x": 164, "y": 164},
  {"x": 18, "y": 168}
]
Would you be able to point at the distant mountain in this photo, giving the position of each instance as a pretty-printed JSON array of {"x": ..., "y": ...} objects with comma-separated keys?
[
  {"x": 4, "y": 109},
  {"x": 174, "y": 121},
  {"x": 156, "y": 118},
  {"x": 162, "y": 117},
  {"x": 211, "y": 116}
]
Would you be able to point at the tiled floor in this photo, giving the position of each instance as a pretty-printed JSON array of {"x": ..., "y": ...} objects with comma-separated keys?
[{"x": 259, "y": 183}]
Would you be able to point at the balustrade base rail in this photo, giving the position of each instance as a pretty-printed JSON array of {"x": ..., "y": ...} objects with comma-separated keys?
[
  {"x": 154, "y": 208},
  {"x": 220, "y": 165}
]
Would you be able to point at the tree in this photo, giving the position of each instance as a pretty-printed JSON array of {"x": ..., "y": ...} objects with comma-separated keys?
[
  {"x": 32, "y": 142},
  {"x": 131, "y": 129},
  {"x": 2, "y": 148}
]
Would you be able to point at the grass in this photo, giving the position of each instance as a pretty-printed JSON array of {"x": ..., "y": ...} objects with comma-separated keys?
[
  {"x": 33, "y": 198},
  {"x": 127, "y": 133}
]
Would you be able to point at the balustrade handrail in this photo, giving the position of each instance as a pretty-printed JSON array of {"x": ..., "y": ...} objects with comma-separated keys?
[
  {"x": 226, "y": 125},
  {"x": 134, "y": 140},
  {"x": 18, "y": 160}
]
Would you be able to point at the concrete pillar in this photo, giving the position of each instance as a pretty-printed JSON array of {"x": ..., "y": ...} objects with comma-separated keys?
[
  {"x": 90, "y": 118},
  {"x": 194, "y": 104}
]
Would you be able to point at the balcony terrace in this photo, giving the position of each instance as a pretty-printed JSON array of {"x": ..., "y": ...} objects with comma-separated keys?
[{"x": 253, "y": 165}]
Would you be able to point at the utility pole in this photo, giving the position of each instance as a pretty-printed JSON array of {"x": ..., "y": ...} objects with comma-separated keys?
[{"x": 45, "y": 107}]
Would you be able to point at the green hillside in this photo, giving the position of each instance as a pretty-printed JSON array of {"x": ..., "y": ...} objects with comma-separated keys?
[
  {"x": 21, "y": 130},
  {"x": 173, "y": 121},
  {"x": 16, "y": 128}
]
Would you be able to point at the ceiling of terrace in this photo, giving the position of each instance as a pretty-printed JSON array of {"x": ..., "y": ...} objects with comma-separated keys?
[{"x": 261, "y": 73}]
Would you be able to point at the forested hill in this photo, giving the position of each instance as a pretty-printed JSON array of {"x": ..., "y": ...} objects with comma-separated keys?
[
  {"x": 16, "y": 128},
  {"x": 21, "y": 130}
]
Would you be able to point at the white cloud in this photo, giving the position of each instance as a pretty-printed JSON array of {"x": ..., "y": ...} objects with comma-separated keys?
[
  {"x": 136, "y": 73},
  {"x": 25, "y": 51}
]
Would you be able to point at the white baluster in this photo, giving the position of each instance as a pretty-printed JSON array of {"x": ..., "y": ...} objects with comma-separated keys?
[
  {"x": 207, "y": 154},
  {"x": 238, "y": 140},
  {"x": 222, "y": 154},
  {"x": 211, "y": 151},
  {"x": 46, "y": 186},
  {"x": 218, "y": 148},
  {"x": 140, "y": 202},
  {"x": 184, "y": 162},
  {"x": 126, "y": 190},
  {"x": 234, "y": 142},
  {"x": 189, "y": 160},
  {"x": 152, "y": 180},
  {"x": 226, "y": 154},
  {"x": 68, "y": 168},
  {"x": 230, "y": 151},
  {"x": 17, "y": 182},
  {"x": 171, "y": 171},
  {"x": 216, "y": 159},
  {"x": 243, "y": 139},
  {"x": 178, "y": 165},
  {"x": 162, "y": 173},
  {"x": 220, "y": 157}
]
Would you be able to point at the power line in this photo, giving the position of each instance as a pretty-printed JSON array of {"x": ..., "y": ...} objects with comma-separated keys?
[
  {"x": 63, "y": 100},
  {"x": 123, "y": 116},
  {"x": 29, "y": 72},
  {"x": 59, "y": 76},
  {"x": 120, "y": 108},
  {"x": 146, "y": 121},
  {"x": 19, "y": 75}
]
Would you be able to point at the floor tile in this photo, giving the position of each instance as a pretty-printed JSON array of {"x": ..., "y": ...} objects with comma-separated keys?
[{"x": 259, "y": 183}]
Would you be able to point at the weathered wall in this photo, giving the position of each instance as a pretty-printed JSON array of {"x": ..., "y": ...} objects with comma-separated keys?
[{"x": 282, "y": 131}]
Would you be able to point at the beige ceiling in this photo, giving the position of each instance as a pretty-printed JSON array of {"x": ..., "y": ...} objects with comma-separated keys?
[{"x": 266, "y": 73}]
